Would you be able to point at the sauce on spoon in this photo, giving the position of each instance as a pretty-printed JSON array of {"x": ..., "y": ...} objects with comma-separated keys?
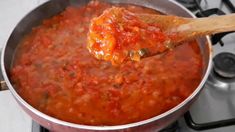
[{"x": 119, "y": 35}]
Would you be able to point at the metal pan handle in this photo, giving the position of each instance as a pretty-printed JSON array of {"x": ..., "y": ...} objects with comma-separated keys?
[{"x": 3, "y": 85}]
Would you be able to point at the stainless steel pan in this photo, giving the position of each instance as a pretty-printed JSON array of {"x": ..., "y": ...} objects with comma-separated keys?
[{"x": 54, "y": 7}]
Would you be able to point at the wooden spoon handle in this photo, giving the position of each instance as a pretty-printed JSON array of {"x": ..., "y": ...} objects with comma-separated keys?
[
  {"x": 205, "y": 26},
  {"x": 183, "y": 29}
]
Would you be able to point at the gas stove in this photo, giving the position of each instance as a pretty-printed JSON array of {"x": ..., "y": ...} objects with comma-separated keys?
[{"x": 213, "y": 111}]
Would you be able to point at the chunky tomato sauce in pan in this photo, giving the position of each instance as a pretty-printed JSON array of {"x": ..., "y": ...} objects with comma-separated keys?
[{"x": 55, "y": 73}]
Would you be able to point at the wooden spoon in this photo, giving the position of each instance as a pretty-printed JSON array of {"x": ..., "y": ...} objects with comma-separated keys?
[
  {"x": 190, "y": 28},
  {"x": 116, "y": 25}
]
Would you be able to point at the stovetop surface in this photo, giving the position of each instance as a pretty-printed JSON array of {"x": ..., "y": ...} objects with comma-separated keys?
[{"x": 214, "y": 103}]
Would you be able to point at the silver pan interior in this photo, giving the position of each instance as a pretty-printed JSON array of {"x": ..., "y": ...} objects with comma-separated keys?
[{"x": 53, "y": 7}]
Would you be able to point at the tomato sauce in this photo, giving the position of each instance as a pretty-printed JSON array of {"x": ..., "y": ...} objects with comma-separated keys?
[
  {"x": 119, "y": 35},
  {"x": 55, "y": 73}
]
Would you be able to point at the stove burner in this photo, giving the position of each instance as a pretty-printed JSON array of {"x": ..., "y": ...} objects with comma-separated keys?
[
  {"x": 224, "y": 65},
  {"x": 190, "y": 4}
]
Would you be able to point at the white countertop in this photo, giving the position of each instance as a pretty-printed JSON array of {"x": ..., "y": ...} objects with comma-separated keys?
[{"x": 12, "y": 117}]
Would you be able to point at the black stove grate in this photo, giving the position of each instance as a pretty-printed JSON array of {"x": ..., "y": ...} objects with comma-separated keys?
[
  {"x": 174, "y": 127},
  {"x": 230, "y": 5},
  {"x": 43, "y": 129}
]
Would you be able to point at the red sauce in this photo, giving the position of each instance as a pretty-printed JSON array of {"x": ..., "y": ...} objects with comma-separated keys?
[
  {"x": 55, "y": 73},
  {"x": 118, "y": 35}
]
